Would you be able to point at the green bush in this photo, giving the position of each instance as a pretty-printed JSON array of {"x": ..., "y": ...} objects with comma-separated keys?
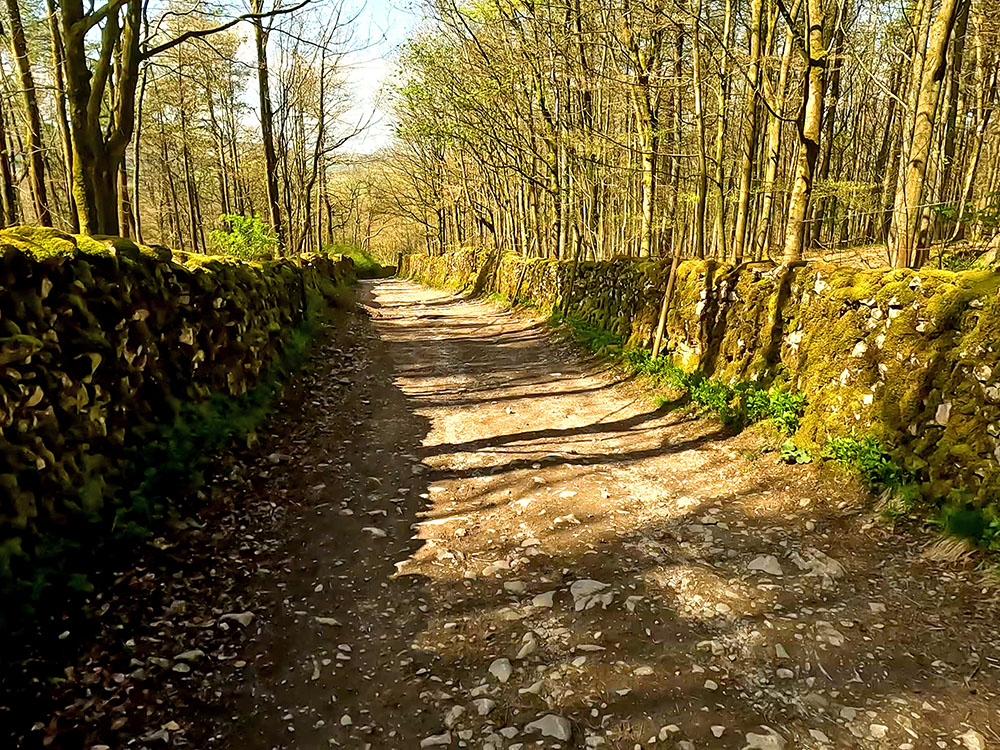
[
  {"x": 869, "y": 458},
  {"x": 245, "y": 237},
  {"x": 661, "y": 370},
  {"x": 595, "y": 338},
  {"x": 741, "y": 404},
  {"x": 714, "y": 396},
  {"x": 786, "y": 407}
]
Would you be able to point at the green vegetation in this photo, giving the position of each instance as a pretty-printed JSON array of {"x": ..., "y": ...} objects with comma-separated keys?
[
  {"x": 741, "y": 404},
  {"x": 864, "y": 455},
  {"x": 736, "y": 405},
  {"x": 792, "y": 454},
  {"x": 245, "y": 237},
  {"x": 869, "y": 458},
  {"x": 367, "y": 264},
  {"x": 598, "y": 340},
  {"x": 960, "y": 517}
]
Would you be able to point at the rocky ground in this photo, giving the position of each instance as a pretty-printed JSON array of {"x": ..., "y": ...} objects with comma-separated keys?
[{"x": 464, "y": 535}]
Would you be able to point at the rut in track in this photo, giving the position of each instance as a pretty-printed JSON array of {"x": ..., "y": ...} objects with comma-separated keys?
[{"x": 506, "y": 546}]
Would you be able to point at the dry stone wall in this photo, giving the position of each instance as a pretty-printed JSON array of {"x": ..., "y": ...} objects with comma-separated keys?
[
  {"x": 102, "y": 344},
  {"x": 911, "y": 358}
]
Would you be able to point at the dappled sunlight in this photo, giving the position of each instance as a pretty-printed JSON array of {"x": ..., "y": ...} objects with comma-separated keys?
[
  {"x": 671, "y": 585},
  {"x": 700, "y": 593}
]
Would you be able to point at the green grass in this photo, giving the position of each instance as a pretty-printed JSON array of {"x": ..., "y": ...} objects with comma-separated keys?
[{"x": 366, "y": 263}]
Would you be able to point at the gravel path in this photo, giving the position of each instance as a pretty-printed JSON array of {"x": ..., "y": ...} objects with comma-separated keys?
[{"x": 497, "y": 544}]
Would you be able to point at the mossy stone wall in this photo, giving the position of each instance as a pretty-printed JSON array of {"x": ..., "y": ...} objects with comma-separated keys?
[
  {"x": 910, "y": 357},
  {"x": 103, "y": 342}
]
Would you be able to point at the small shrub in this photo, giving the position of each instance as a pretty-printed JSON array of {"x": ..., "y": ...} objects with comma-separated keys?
[
  {"x": 966, "y": 520},
  {"x": 786, "y": 407},
  {"x": 661, "y": 370},
  {"x": 715, "y": 396},
  {"x": 742, "y": 404},
  {"x": 792, "y": 454},
  {"x": 245, "y": 237},
  {"x": 594, "y": 337},
  {"x": 756, "y": 404},
  {"x": 868, "y": 457}
]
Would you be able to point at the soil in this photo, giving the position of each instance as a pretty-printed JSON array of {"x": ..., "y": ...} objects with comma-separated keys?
[{"x": 465, "y": 534}]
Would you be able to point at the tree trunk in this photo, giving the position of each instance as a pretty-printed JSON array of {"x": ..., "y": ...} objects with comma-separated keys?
[
  {"x": 904, "y": 235},
  {"x": 750, "y": 133},
  {"x": 267, "y": 123},
  {"x": 720, "y": 132},
  {"x": 815, "y": 225},
  {"x": 699, "y": 114},
  {"x": 59, "y": 93},
  {"x": 987, "y": 81},
  {"x": 8, "y": 200},
  {"x": 33, "y": 119},
  {"x": 99, "y": 145},
  {"x": 808, "y": 125}
]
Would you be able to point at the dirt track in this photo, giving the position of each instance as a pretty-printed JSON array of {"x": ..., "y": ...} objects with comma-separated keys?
[{"x": 506, "y": 499}]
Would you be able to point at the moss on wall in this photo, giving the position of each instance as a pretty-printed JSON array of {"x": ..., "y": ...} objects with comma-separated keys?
[
  {"x": 908, "y": 357},
  {"x": 103, "y": 343}
]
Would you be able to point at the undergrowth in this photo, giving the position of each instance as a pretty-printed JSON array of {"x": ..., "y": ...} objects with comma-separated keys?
[
  {"x": 735, "y": 405},
  {"x": 869, "y": 458},
  {"x": 505, "y": 301},
  {"x": 958, "y": 515},
  {"x": 746, "y": 403},
  {"x": 367, "y": 265},
  {"x": 595, "y": 338},
  {"x": 245, "y": 237}
]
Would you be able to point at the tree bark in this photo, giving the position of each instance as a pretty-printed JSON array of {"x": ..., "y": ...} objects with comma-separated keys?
[
  {"x": 267, "y": 123},
  {"x": 720, "y": 131},
  {"x": 750, "y": 133},
  {"x": 8, "y": 199},
  {"x": 808, "y": 126},
  {"x": 904, "y": 235},
  {"x": 33, "y": 119},
  {"x": 62, "y": 123},
  {"x": 99, "y": 146},
  {"x": 699, "y": 115}
]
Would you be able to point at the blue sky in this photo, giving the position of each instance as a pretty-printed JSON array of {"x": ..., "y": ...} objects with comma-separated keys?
[{"x": 382, "y": 26}]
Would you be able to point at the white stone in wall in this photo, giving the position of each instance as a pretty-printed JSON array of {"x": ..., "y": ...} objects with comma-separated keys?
[{"x": 943, "y": 413}]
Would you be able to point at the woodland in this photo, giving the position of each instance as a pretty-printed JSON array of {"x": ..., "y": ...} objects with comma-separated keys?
[
  {"x": 743, "y": 131},
  {"x": 564, "y": 155},
  {"x": 860, "y": 131}
]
